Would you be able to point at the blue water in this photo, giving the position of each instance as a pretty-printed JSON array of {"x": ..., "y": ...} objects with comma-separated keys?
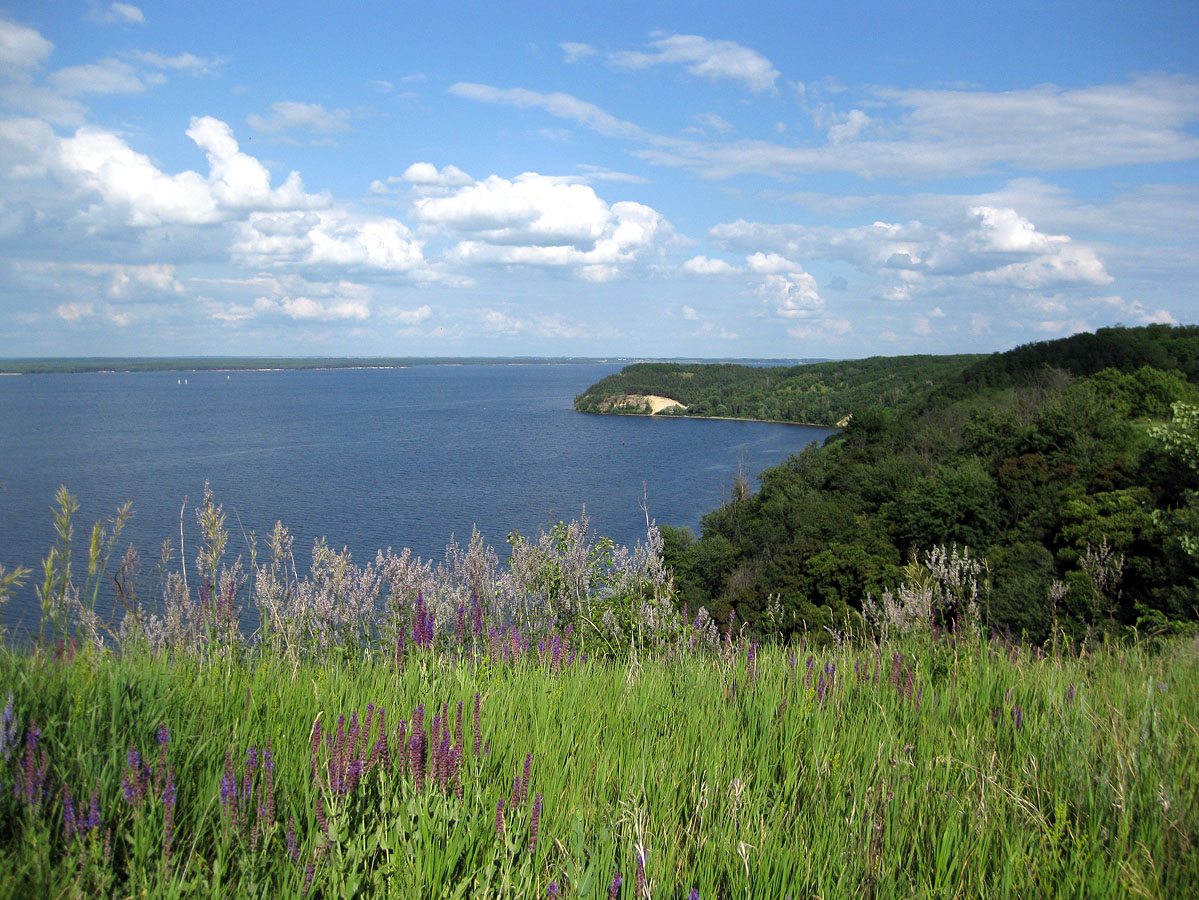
[{"x": 367, "y": 458}]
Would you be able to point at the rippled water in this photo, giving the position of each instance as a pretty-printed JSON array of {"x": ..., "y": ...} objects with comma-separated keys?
[{"x": 367, "y": 458}]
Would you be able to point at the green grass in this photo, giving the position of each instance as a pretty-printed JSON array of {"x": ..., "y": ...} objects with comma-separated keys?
[{"x": 979, "y": 776}]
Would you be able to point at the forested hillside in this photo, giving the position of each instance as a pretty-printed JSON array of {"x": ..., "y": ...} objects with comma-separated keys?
[
  {"x": 1054, "y": 463},
  {"x": 816, "y": 393}
]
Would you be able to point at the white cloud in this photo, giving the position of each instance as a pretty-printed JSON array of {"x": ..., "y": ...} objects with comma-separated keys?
[
  {"x": 331, "y": 237},
  {"x": 712, "y": 122},
  {"x": 427, "y": 175},
  {"x": 307, "y": 308},
  {"x": 853, "y": 124},
  {"x": 794, "y": 295},
  {"x": 690, "y": 313},
  {"x": 73, "y": 312},
  {"x": 411, "y": 316},
  {"x": 702, "y": 265},
  {"x": 562, "y": 105},
  {"x": 996, "y": 246},
  {"x": 943, "y": 133},
  {"x": 21, "y": 48},
  {"x": 140, "y": 194},
  {"x": 768, "y": 263},
  {"x": 125, "y": 13},
  {"x": 108, "y": 76},
  {"x": 598, "y": 173},
  {"x": 543, "y": 221},
  {"x": 574, "y": 51},
  {"x": 288, "y": 114},
  {"x": 707, "y": 58},
  {"x": 294, "y": 298},
  {"x": 184, "y": 62}
]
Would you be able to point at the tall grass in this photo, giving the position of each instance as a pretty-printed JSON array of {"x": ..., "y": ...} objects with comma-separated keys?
[
  {"x": 556, "y": 728},
  {"x": 915, "y": 769}
]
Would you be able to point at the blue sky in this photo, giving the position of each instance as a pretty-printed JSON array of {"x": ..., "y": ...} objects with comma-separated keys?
[{"x": 679, "y": 179}]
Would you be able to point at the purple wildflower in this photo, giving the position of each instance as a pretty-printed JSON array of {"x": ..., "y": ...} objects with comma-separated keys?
[
  {"x": 8, "y": 731},
  {"x": 478, "y": 723},
  {"x": 524, "y": 779},
  {"x": 1070, "y": 693},
  {"x": 499, "y": 818},
  {"x": 552, "y": 891},
  {"x": 69, "y": 825},
  {"x": 639, "y": 886},
  {"x": 293, "y": 849},
  {"x": 229, "y": 792},
  {"x": 92, "y": 821},
  {"x": 534, "y": 825},
  {"x": 614, "y": 887},
  {"x": 694, "y": 895},
  {"x": 476, "y": 614}
]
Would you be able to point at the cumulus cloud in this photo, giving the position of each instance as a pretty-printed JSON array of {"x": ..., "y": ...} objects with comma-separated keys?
[
  {"x": 296, "y": 298},
  {"x": 139, "y": 193},
  {"x": 997, "y": 246},
  {"x": 707, "y": 58},
  {"x": 410, "y": 317},
  {"x": 124, "y": 281},
  {"x": 73, "y": 312},
  {"x": 288, "y": 114},
  {"x": 428, "y": 175},
  {"x": 702, "y": 265},
  {"x": 330, "y": 237},
  {"x": 542, "y": 221}
]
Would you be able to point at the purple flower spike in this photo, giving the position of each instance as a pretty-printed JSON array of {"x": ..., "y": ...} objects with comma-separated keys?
[
  {"x": 478, "y": 724},
  {"x": 69, "y": 825},
  {"x": 534, "y": 825},
  {"x": 614, "y": 887},
  {"x": 552, "y": 891},
  {"x": 694, "y": 895},
  {"x": 499, "y": 818},
  {"x": 524, "y": 780},
  {"x": 93, "y": 813}
]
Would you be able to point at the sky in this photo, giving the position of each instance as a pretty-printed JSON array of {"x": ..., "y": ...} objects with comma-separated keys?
[{"x": 783, "y": 180}]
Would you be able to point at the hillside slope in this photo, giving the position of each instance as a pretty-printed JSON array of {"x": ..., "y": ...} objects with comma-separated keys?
[{"x": 1043, "y": 461}]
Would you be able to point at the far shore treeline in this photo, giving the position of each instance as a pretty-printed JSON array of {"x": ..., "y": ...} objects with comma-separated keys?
[{"x": 823, "y": 393}]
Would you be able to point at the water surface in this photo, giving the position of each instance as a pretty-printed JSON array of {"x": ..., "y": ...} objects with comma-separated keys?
[{"x": 368, "y": 459}]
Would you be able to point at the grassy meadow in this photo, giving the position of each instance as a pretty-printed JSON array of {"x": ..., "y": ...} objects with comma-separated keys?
[
  {"x": 915, "y": 769},
  {"x": 555, "y": 726}
]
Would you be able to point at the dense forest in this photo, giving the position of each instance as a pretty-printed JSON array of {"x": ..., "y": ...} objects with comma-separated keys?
[
  {"x": 817, "y": 393},
  {"x": 1067, "y": 470}
]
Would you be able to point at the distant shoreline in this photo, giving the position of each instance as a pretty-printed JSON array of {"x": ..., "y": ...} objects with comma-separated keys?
[
  {"x": 718, "y": 418},
  {"x": 61, "y": 365}
]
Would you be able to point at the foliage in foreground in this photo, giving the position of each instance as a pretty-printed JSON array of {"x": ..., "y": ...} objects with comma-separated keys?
[
  {"x": 915, "y": 768},
  {"x": 1067, "y": 467}
]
